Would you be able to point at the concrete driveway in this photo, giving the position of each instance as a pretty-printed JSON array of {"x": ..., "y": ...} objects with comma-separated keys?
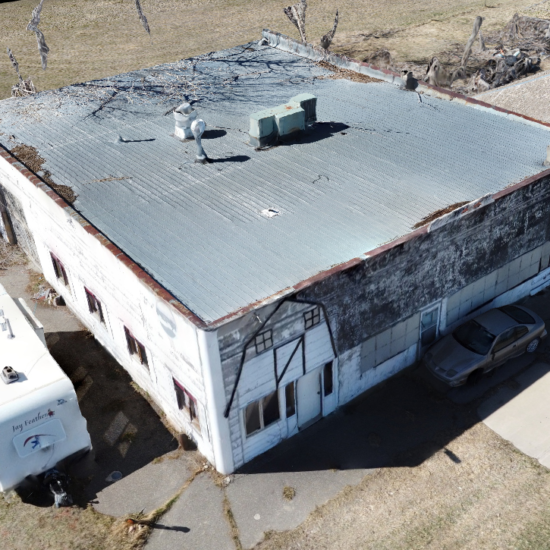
[
  {"x": 519, "y": 409},
  {"x": 520, "y": 413}
]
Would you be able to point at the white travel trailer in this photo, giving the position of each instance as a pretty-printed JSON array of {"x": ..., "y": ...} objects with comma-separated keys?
[{"x": 40, "y": 421}]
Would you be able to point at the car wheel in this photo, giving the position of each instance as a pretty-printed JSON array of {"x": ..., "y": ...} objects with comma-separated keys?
[
  {"x": 533, "y": 345},
  {"x": 474, "y": 377}
]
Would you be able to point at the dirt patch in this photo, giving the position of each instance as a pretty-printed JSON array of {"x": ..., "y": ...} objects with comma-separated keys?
[
  {"x": 438, "y": 213},
  {"x": 289, "y": 493},
  {"x": 479, "y": 492},
  {"x": 29, "y": 156}
]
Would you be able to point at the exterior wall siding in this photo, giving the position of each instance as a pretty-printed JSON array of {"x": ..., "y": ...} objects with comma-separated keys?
[
  {"x": 170, "y": 340},
  {"x": 258, "y": 373},
  {"x": 374, "y": 308}
]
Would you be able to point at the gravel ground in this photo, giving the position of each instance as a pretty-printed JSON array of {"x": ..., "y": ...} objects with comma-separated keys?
[{"x": 478, "y": 492}]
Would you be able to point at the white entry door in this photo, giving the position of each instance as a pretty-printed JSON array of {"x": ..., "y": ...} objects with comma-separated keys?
[{"x": 309, "y": 398}]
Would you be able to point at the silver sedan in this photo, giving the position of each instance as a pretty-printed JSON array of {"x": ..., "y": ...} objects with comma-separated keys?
[{"x": 483, "y": 343}]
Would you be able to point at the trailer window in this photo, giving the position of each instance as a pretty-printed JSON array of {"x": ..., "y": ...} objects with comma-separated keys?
[{"x": 94, "y": 305}]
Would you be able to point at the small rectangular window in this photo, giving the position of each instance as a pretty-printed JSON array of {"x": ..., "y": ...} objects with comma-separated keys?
[
  {"x": 136, "y": 348},
  {"x": 262, "y": 413},
  {"x": 312, "y": 317},
  {"x": 186, "y": 402},
  {"x": 290, "y": 400},
  {"x": 327, "y": 379},
  {"x": 59, "y": 270},
  {"x": 263, "y": 341},
  {"x": 94, "y": 305}
]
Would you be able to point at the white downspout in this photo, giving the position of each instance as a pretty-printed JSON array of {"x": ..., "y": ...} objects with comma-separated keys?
[{"x": 215, "y": 401}]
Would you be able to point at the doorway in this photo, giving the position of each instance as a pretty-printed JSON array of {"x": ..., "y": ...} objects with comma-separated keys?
[{"x": 309, "y": 398}]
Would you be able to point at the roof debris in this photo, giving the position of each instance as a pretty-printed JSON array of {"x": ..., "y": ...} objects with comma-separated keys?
[{"x": 29, "y": 156}]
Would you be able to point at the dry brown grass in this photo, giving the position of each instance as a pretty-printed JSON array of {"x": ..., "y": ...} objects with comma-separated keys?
[
  {"x": 494, "y": 498},
  {"x": 289, "y": 493},
  {"x": 98, "y": 38},
  {"x": 24, "y": 526},
  {"x": 10, "y": 255}
]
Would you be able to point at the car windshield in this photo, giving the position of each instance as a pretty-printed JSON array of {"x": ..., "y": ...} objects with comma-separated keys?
[
  {"x": 518, "y": 315},
  {"x": 474, "y": 337}
]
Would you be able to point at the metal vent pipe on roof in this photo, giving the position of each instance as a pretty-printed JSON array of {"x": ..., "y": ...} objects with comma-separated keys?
[
  {"x": 547, "y": 161},
  {"x": 184, "y": 115},
  {"x": 198, "y": 128}
]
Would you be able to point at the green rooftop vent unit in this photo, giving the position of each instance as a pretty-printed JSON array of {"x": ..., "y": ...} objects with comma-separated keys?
[{"x": 282, "y": 122}]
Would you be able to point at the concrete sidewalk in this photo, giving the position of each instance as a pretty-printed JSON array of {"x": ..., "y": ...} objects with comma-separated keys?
[{"x": 520, "y": 413}]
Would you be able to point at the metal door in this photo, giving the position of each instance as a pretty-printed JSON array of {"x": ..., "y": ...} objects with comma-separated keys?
[{"x": 309, "y": 398}]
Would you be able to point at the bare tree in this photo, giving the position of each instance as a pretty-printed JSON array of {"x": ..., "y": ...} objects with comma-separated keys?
[
  {"x": 33, "y": 26},
  {"x": 326, "y": 41},
  {"x": 468, "y": 49},
  {"x": 23, "y": 87},
  {"x": 142, "y": 17},
  {"x": 297, "y": 16}
]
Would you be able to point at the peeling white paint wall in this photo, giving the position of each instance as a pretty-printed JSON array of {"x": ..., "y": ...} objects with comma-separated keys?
[{"x": 171, "y": 341}]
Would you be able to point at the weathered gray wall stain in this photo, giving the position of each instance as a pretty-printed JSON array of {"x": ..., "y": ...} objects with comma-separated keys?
[{"x": 381, "y": 291}]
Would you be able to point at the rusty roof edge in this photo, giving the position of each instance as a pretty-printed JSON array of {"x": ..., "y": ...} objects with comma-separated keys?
[
  {"x": 306, "y": 283},
  {"x": 309, "y": 51},
  {"x": 121, "y": 256}
]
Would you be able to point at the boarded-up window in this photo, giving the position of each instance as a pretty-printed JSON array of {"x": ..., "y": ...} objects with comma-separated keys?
[
  {"x": 94, "y": 305},
  {"x": 136, "y": 348},
  {"x": 262, "y": 413},
  {"x": 186, "y": 402},
  {"x": 59, "y": 270}
]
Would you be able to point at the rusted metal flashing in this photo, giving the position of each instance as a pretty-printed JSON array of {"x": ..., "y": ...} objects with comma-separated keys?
[{"x": 159, "y": 290}]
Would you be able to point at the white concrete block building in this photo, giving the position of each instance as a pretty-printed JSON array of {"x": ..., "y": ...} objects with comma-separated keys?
[{"x": 254, "y": 294}]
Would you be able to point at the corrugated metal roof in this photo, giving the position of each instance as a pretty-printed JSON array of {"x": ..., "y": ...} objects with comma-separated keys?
[{"x": 379, "y": 160}]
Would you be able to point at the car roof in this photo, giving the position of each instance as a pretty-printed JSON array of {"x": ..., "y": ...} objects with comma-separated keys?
[{"x": 495, "y": 321}]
